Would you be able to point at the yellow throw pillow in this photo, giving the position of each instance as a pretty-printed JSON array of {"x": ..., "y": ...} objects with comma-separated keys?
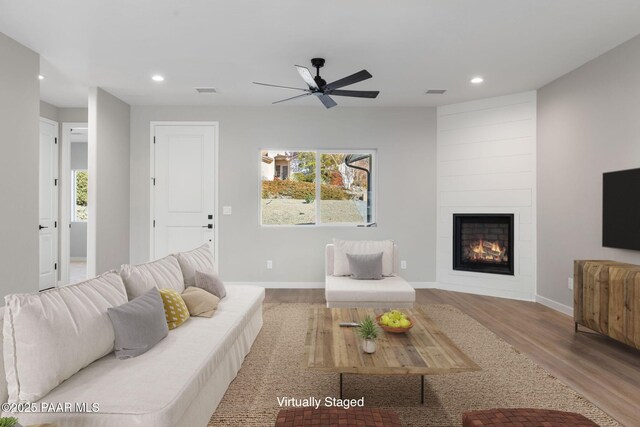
[{"x": 175, "y": 309}]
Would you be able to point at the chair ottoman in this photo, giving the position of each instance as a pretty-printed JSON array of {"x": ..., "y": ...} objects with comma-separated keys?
[
  {"x": 334, "y": 417},
  {"x": 524, "y": 417}
]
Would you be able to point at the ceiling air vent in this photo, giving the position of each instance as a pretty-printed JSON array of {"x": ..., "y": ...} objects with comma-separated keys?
[
  {"x": 435, "y": 92},
  {"x": 206, "y": 90}
]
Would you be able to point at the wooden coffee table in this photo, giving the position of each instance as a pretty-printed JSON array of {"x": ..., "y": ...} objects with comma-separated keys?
[{"x": 424, "y": 350}]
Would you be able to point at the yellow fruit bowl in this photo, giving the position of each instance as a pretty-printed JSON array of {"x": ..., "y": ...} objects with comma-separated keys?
[{"x": 392, "y": 329}]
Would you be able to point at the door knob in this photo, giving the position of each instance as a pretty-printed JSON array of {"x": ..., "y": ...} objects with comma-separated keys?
[
  {"x": 208, "y": 226},
  {"x": 40, "y": 227}
]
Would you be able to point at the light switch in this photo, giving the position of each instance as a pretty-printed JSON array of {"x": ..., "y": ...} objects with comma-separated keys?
[{"x": 227, "y": 210}]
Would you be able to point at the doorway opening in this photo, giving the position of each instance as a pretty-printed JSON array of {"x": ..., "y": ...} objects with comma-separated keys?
[{"x": 74, "y": 202}]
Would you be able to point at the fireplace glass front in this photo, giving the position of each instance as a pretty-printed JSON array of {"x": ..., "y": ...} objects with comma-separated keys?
[{"x": 483, "y": 243}]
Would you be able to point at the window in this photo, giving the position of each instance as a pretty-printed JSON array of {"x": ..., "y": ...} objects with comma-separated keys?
[
  {"x": 293, "y": 195},
  {"x": 78, "y": 195}
]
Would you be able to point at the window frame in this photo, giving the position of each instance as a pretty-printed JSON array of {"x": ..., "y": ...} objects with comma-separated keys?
[{"x": 319, "y": 152}]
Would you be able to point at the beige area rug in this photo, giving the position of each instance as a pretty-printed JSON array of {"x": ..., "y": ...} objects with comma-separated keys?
[{"x": 274, "y": 368}]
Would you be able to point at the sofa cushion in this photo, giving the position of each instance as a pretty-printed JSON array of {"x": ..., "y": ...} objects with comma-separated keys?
[
  {"x": 200, "y": 302},
  {"x": 199, "y": 258},
  {"x": 342, "y": 247},
  {"x": 138, "y": 324},
  {"x": 365, "y": 266},
  {"x": 389, "y": 289},
  {"x": 175, "y": 310},
  {"x": 51, "y": 335},
  {"x": 210, "y": 282},
  {"x": 164, "y": 273},
  {"x": 156, "y": 388}
]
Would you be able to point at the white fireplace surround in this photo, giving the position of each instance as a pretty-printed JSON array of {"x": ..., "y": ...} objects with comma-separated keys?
[{"x": 486, "y": 164}]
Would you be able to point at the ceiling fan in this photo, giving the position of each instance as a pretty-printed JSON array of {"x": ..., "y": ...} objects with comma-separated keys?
[{"x": 319, "y": 87}]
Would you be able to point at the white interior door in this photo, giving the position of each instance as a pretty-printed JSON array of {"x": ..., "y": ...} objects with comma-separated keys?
[
  {"x": 183, "y": 188},
  {"x": 48, "y": 193}
]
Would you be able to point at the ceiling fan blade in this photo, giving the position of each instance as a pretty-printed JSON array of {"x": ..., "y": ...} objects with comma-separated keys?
[
  {"x": 355, "y": 93},
  {"x": 349, "y": 80},
  {"x": 284, "y": 87},
  {"x": 327, "y": 101},
  {"x": 293, "y": 97},
  {"x": 307, "y": 77}
]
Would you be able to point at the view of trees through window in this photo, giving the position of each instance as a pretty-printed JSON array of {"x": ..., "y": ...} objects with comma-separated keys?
[
  {"x": 79, "y": 181},
  {"x": 290, "y": 187}
]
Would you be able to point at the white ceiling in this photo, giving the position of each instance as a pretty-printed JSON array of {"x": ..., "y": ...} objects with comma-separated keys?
[{"x": 409, "y": 46}]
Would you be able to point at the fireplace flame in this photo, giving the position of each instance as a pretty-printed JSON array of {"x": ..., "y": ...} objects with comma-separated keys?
[{"x": 483, "y": 250}]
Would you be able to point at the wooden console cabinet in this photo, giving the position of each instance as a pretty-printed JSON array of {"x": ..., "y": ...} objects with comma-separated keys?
[{"x": 606, "y": 299}]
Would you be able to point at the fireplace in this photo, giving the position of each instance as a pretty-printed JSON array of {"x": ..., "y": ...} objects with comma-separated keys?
[{"x": 483, "y": 243}]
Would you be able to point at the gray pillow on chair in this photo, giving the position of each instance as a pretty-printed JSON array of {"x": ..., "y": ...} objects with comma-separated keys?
[
  {"x": 138, "y": 324},
  {"x": 365, "y": 266}
]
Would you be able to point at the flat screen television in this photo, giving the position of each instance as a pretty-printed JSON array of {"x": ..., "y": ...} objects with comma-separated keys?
[{"x": 621, "y": 209}]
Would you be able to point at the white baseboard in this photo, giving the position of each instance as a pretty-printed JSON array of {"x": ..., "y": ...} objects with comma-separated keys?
[
  {"x": 498, "y": 293},
  {"x": 424, "y": 285},
  {"x": 315, "y": 285},
  {"x": 281, "y": 285},
  {"x": 555, "y": 305}
]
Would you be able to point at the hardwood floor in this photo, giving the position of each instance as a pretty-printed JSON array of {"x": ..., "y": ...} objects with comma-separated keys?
[{"x": 602, "y": 370}]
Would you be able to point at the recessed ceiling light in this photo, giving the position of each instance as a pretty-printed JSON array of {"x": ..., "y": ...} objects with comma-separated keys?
[
  {"x": 40, "y": 77},
  {"x": 157, "y": 78},
  {"x": 477, "y": 80}
]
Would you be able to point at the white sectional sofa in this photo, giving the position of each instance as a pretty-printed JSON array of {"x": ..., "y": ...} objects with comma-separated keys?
[
  {"x": 343, "y": 291},
  {"x": 178, "y": 382}
]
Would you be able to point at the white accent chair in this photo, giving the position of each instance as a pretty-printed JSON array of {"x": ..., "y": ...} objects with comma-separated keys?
[{"x": 345, "y": 292}]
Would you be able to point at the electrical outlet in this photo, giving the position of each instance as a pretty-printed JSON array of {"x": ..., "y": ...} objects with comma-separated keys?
[
  {"x": 227, "y": 210},
  {"x": 269, "y": 264},
  {"x": 403, "y": 265},
  {"x": 570, "y": 283}
]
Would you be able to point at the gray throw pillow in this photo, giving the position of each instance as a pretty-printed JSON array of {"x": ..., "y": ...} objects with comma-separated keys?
[
  {"x": 365, "y": 266},
  {"x": 138, "y": 324},
  {"x": 210, "y": 282}
]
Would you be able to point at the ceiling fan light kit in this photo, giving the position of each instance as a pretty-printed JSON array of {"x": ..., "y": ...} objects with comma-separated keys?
[{"x": 318, "y": 86}]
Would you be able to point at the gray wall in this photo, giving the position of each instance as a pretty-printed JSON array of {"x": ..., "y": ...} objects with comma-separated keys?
[
  {"x": 78, "y": 233},
  {"x": 48, "y": 111},
  {"x": 588, "y": 123},
  {"x": 108, "y": 204},
  {"x": 78, "y": 240},
  {"x": 72, "y": 115},
  {"x": 62, "y": 115},
  {"x": 79, "y": 155},
  {"x": 19, "y": 124},
  {"x": 404, "y": 138}
]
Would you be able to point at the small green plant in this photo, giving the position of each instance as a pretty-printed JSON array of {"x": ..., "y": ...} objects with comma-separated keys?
[
  {"x": 368, "y": 330},
  {"x": 8, "y": 421},
  {"x": 308, "y": 199}
]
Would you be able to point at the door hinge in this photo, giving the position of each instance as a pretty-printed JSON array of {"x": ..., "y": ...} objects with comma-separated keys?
[
  {"x": 154, "y": 139},
  {"x": 154, "y": 223},
  {"x": 69, "y": 225},
  {"x": 55, "y": 266},
  {"x": 55, "y": 140},
  {"x": 154, "y": 181},
  {"x": 55, "y": 224},
  {"x": 55, "y": 182}
]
